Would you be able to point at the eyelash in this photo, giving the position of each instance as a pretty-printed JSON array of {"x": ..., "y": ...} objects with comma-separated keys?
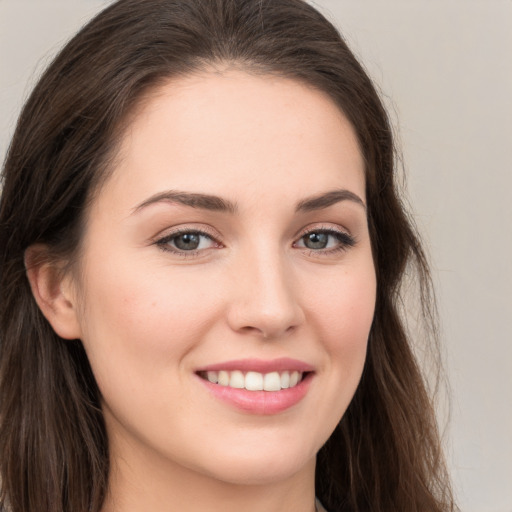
[
  {"x": 163, "y": 243},
  {"x": 345, "y": 242}
]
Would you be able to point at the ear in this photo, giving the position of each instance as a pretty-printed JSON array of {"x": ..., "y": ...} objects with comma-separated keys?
[{"x": 53, "y": 291}]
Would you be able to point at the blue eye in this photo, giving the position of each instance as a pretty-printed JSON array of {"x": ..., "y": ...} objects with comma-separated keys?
[
  {"x": 322, "y": 240},
  {"x": 187, "y": 241},
  {"x": 316, "y": 240}
]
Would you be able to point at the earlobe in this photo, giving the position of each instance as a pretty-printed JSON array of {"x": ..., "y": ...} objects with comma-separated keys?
[{"x": 53, "y": 292}]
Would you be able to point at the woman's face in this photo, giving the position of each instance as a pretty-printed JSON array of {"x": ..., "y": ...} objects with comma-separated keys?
[{"x": 230, "y": 243}]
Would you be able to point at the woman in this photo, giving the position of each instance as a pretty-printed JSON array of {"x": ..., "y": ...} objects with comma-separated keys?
[{"x": 202, "y": 252}]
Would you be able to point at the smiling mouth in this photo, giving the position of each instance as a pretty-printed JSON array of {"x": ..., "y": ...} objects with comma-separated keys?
[{"x": 254, "y": 381}]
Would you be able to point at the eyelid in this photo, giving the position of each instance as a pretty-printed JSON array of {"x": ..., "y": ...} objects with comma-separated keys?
[
  {"x": 323, "y": 227},
  {"x": 188, "y": 228},
  {"x": 346, "y": 240},
  {"x": 161, "y": 240}
]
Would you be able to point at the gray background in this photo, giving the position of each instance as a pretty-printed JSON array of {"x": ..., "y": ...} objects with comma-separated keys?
[{"x": 445, "y": 70}]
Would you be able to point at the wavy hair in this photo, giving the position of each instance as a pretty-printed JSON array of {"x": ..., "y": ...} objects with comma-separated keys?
[{"x": 385, "y": 454}]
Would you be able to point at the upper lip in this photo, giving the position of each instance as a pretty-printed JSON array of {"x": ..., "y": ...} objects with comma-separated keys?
[{"x": 259, "y": 365}]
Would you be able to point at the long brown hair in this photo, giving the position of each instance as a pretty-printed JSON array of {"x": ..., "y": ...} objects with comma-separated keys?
[{"x": 385, "y": 454}]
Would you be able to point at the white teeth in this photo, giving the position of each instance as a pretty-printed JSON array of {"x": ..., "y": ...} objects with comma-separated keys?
[
  {"x": 255, "y": 381},
  {"x": 272, "y": 382},
  {"x": 237, "y": 380},
  {"x": 212, "y": 377},
  {"x": 294, "y": 378},
  {"x": 223, "y": 378}
]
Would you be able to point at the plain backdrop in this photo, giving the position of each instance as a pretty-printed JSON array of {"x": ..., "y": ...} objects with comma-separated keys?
[{"x": 445, "y": 71}]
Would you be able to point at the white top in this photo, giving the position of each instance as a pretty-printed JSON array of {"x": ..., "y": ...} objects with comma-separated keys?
[{"x": 319, "y": 506}]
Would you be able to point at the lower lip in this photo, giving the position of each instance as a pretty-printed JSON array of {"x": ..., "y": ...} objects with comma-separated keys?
[{"x": 260, "y": 402}]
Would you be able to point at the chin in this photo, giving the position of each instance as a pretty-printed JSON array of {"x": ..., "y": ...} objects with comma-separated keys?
[
  {"x": 260, "y": 474},
  {"x": 261, "y": 467}
]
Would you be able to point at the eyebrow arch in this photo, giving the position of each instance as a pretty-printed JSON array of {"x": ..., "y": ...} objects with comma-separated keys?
[
  {"x": 194, "y": 200},
  {"x": 218, "y": 204},
  {"x": 328, "y": 199}
]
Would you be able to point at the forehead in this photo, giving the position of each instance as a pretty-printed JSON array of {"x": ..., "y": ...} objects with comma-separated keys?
[{"x": 233, "y": 132}]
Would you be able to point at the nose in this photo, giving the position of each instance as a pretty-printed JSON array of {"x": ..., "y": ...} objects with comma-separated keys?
[{"x": 265, "y": 300}]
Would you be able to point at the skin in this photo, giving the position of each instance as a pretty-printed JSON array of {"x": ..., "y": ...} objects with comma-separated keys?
[{"x": 150, "y": 317}]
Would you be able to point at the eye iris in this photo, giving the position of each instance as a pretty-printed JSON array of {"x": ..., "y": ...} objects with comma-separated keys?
[
  {"x": 316, "y": 240},
  {"x": 187, "y": 241}
]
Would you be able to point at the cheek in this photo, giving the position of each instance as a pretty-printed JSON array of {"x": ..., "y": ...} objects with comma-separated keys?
[
  {"x": 143, "y": 321},
  {"x": 347, "y": 302},
  {"x": 343, "y": 314}
]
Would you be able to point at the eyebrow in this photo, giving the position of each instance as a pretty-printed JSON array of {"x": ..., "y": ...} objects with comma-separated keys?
[
  {"x": 327, "y": 199},
  {"x": 219, "y": 204},
  {"x": 194, "y": 200}
]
